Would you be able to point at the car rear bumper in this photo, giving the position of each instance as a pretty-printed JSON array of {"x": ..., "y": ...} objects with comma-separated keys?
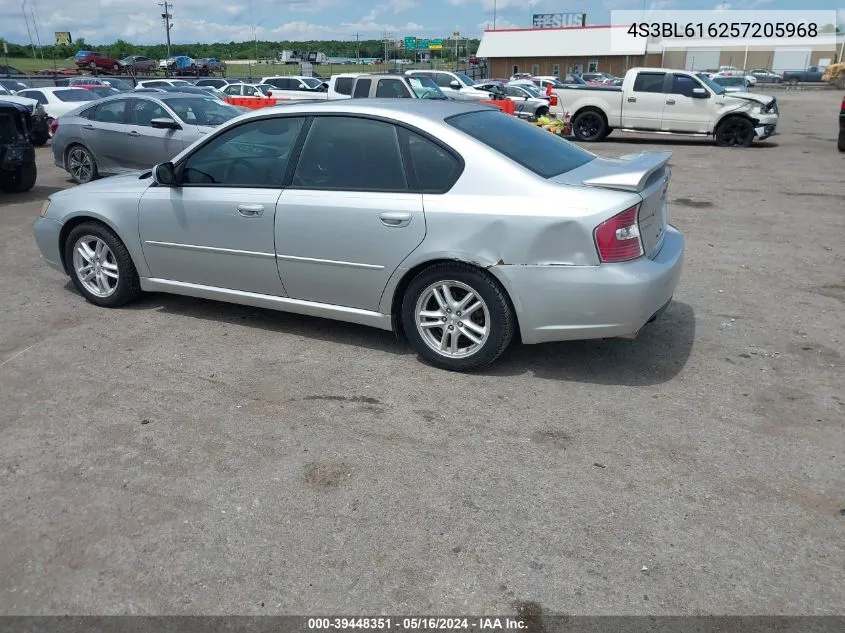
[
  {"x": 564, "y": 303},
  {"x": 47, "y": 233}
]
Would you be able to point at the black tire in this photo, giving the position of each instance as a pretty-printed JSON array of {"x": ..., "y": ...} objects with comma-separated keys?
[
  {"x": 20, "y": 180},
  {"x": 128, "y": 286},
  {"x": 735, "y": 131},
  {"x": 75, "y": 152},
  {"x": 501, "y": 325},
  {"x": 541, "y": 111},
  {"x": 793, "y": 82},
  {"x": 589, "y": 126},
  {"x": 840, "y": 144}
]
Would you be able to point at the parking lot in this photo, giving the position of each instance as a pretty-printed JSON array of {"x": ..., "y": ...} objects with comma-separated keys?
[{"x": 194, "y": 457}]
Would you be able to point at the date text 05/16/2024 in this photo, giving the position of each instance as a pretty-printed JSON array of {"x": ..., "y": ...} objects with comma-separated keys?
[
  {"x": 702, "y": 30},
  {"x": 384, "y": 623}
]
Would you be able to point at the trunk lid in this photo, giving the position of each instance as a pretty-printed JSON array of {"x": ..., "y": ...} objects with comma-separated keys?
[{"x": 646, "y": 174}]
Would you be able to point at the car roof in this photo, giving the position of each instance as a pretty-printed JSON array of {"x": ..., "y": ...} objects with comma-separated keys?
[
  {"x": 54, "y": 88},
  {"x": 381, "y": 76},
  {"x": 391, "y": 108}
]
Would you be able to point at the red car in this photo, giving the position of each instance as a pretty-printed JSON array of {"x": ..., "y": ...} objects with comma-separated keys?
[{"x": 95, "y": 61}]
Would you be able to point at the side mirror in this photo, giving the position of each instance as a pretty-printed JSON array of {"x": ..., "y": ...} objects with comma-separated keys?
[
  {"x": 700, "y": 93},
  {"x": 455, "y": 84},
  {"x": 164, "y": 174},
  {"x": 165, "y": 124}
]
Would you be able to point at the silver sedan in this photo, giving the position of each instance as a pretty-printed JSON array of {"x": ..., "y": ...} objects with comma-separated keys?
[
  {"x": 453, "y": 223},
  {"x": 133, "y": 131}
]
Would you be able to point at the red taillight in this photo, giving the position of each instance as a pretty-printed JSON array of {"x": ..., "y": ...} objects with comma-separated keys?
[
  {"x": 618, "y": 239},
  {"x": 54, "y": 125},
  {"x": 842, "y": 107}
]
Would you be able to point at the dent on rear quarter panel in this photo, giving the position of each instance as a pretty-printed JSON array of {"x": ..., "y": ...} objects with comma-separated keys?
[{"x": 509, "y": 231}]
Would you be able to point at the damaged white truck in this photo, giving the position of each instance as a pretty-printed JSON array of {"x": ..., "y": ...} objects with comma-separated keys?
[{"x": 661, "y": 101}]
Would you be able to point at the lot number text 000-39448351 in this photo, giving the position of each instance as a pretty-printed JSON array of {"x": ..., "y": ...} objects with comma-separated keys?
[{"x": 724, "y": 29}]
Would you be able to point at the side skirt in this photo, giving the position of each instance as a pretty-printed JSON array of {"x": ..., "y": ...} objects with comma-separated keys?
[{"x": 283, "y": 304}]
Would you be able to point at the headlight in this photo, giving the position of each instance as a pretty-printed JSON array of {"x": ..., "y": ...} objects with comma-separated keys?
[{"x": 44, "y": 207}]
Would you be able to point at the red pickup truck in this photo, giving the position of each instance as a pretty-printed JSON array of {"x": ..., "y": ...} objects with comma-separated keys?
[{"x": 96, "y": 61}]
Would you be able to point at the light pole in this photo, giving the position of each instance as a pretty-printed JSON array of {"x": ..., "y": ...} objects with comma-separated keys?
[{"x": 494, "y": 15}]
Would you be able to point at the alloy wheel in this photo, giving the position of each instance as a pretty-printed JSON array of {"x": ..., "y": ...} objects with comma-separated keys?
[
  {"x": 80, "y": 165},
  {"x": 453, "y": 319},
  {"x": 95, "y": 266}
]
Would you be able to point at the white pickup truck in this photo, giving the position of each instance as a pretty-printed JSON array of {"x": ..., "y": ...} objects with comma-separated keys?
[{"x": 657, "y": 100}]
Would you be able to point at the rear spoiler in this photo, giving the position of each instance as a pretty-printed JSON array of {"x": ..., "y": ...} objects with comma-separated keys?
[{"x": 632, "y": 171}]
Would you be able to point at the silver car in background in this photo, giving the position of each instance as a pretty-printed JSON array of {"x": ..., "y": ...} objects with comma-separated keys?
[
  {"x": 456, "y": 224},
  {"x": 133, "y": 131}
]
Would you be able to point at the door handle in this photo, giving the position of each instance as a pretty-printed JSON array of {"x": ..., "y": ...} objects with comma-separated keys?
[
  {"x": 87, "y": 127},
  {"x": 395, "y": 219},
  {"x": 632, "y": 99},
  {"x": 670, "y": 102},
  {"x": 134, "y": 133},
  {"x": 251, "y": 210}
]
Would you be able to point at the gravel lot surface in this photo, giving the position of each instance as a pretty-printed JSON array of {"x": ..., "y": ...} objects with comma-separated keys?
[{"x": 187, "y": 456}]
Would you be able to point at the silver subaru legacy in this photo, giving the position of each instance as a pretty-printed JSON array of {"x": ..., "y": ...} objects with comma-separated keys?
[
  {"x": 453, "y": 223},
  {"x": 132, "y": 131}
]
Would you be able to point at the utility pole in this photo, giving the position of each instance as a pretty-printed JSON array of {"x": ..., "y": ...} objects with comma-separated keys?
[
  {"x": 494, "y": 15},
  {"x": 166, "y": 16},
  {"x": 357, "y": 37}
]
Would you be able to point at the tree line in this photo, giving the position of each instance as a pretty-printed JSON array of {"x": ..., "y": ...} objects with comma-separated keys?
[{"x": 232, "y": 50}]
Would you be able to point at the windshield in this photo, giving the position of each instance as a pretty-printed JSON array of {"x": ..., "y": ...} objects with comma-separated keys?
[
  {"x": 11, "y": 84},
  {"x": 464, "y": 79},
  {"x": 312, "y": 83},
  {"x": 3, "y": 91},
  {"x": 74, "y": 94},
  {"x": 180, "y": 82},
  {"x": 103, "y": 92},
  {"x": 545, "y": 154},
  {"x": 265, "y": 89},
  {"x": 711, "y": 84},
  {"x": 202, "y": 110},
  {"x": 425, "y": 88},
  {"x": 532, "y": 90},
  {"x": 120, "y": 84}
]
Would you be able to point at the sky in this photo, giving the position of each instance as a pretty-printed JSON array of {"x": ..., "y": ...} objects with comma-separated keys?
[{"x": 138, "y": 21}]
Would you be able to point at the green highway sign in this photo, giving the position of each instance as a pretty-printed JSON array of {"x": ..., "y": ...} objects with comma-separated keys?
[
  {"x": 436, "y": 44},
  {"x": 410, "y": 43},
  {"x": 422, "y": 45}
]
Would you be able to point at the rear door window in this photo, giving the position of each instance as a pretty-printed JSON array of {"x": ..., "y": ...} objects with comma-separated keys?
[
  {"x": 110, "y": 111},
  {"x": 432, "y": 168},
  {"x": 362, "y": 88},
  {"x": 35, "y": 94},
  {"x": 343, "y": 85},
  {"x": 649, "y": 82},
  {"x": 351, "y": 154},
  {"x": 535, "y": 149}
]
